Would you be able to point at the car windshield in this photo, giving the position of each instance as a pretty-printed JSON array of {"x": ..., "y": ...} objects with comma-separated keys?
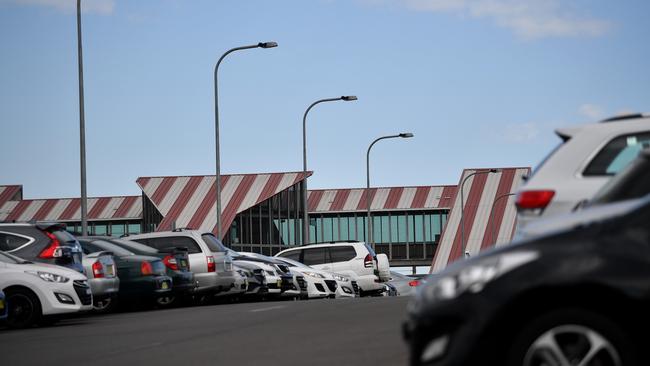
[
  {"x": 110, "y": 247},
  {"x": 292, "y": 263},
  {"x": 12, "y": 259},
  {"x": 134, "y": 247},
  {"x": 213, "y": 243}
]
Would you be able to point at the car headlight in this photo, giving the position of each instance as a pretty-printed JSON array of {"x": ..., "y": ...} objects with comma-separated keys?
[
  {"x": 270, "y": 273},
  {"x": 315, "y": 275},
  {"x": 50, "y": 277},
  {"x": 473, "y": 278},
  {"x": 341, "y": 278}
]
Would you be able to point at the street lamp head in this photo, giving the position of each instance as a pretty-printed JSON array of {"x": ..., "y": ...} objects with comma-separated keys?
[
  {"x": 349, "y": 98},
  {"x": 406, "y": 135},
  {"x": 267, "y": 44}
]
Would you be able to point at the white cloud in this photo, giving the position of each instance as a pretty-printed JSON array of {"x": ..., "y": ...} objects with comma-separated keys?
[
  {"x": 528, "y": 19},
  {"x": 521, "y": 132},
  {"x": 104, "y": 7},
  {"x": 591, "y": 111}
]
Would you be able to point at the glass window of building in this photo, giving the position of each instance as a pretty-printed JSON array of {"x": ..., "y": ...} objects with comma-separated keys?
[{"x": 117, "y": 229}]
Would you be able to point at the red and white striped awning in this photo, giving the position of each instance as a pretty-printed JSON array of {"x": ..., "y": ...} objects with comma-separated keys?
[
  {"x": 10, "y": 193},
  {"x": 190, "y": 201},
  {"x": 480, "y": 192},
  {"x": 382, "y": 199},
  {"x": 69, "y": 209}
]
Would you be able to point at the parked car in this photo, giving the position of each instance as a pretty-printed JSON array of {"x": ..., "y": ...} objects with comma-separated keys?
[
  {"x": 143, "y": 279},
  {"x": 404, "y": 285},
  {"x": 42, "y": 242},
  {"x": 209, "y": 261},
  {"x": 572, "y": 297},
  {"x": 320, "y": 283},
  {"x": 177, "y": 265},
  {"x": 36, "y": 292},
  {"x": 268, "y": 279},
  {"x": 101, "y": 272},
  {"x": 631, "y": 183},
  {"x": 3, "y": 306},
  {"x": 291, "y": 284},
  {"x": 241, "y": 283},
  {"x": 356, "y": 259},
  {"x": 587, "y": 158}
]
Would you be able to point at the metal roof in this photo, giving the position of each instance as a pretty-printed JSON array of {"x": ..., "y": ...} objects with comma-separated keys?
[
  {"x": 480, "y": 192},
  {"x": 190, "y": 201},
  {"x": 10, "y": 193},
  {"x": 69, "y": 209},
  {"x": 383, "y": 199}
]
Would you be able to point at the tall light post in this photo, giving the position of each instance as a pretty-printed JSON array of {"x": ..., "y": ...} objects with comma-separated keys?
[
  {"x": 216, "y": 123},
  {"x": 305, "y": 214},
  {"x": 368, "y": 223},
  {"x": 492, "y": 240},
  {"x": 82, "y": 128},
  {"x": 462, "y": 203}
]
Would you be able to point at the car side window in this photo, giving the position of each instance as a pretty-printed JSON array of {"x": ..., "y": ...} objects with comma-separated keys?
[
  {"x": 173, "y": 242},
  {"x": 11, "y": 242},
  {"x": 342, "y": 254},
  {"x": 314, "y": 256},
  {"x": 617, "y": 154}
]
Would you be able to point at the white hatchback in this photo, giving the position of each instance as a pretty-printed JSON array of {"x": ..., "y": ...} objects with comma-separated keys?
[
  {"x": 354, "y": 259},
  {"x": 587, "y": 158},
  {"x": 35, "y": 291}
]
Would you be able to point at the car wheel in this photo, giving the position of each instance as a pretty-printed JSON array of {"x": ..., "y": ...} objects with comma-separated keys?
[
  {"x": 24, "y": 308},
  {"x": 571, "y": 337},
  {"x": 105, "y": 305}
]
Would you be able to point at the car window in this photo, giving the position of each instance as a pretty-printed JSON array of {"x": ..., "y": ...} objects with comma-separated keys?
[
  {"x": 172, "y": 242},
  {"x": 103, "y": 246},
  {"x": 213, "y": 243},
  {"x": 11, "y": 242},
  {"x": 314, "y": 256},
  {"x": 342, "y": 253},
  {"x": 294, "y": 254},
  {"x": 64, "y": 236},
  {"x": 632, "y": 182},
  {"x": 617, "y": 154},
  {"x": 135, "y": 247}
]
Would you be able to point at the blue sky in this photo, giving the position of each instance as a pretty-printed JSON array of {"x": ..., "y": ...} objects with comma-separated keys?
[{"x": 479, "y": 83}]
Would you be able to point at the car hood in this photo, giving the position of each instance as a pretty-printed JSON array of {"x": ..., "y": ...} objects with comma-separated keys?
[
  {"x": 51, "y": 268},
  {"x": 571, "y": 220}
]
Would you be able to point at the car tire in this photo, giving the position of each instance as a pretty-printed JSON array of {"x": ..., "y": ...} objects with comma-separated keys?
[
  {"x": 571, "y": 335},
  {"x": 24, "y": 308}
]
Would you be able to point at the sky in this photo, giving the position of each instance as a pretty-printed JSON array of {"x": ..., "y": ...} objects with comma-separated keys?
[{"x": 481, "y": 83}]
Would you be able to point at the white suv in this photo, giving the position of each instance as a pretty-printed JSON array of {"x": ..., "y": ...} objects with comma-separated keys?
[
  {"x": 209, "y": 260},
  {"x": 356, "y": 259},
  {"x": 587, "y": 158},
  {"x": 37, "y": 290}
]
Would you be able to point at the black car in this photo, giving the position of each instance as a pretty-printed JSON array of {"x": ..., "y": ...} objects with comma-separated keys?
[
  {"x": 176, "y": 261},
  {"x": 573, "y": 297},
  {"x": 42, "y": 242},
  {"x": 143, "y": 279}
]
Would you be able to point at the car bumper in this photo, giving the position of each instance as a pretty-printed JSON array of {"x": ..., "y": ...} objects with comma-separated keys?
[
  {"x": 214, "y": 281},
  {"x": 146, "y": 286},
  {"x": 369, "y": 283},
  {"x": 344, "y": 290},
  {"x": 183, "y": 282},
  {"x": 53, "y": 301},
  {"x": 104, "y": 287}
]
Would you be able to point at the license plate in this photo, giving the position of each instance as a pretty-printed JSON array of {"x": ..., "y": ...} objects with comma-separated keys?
[
  {"x": 279, "y": 283},
  {"x": 110, "y": 271},
  {"x": 165, "y": 286},
  {"x": 183, "y": 263}
]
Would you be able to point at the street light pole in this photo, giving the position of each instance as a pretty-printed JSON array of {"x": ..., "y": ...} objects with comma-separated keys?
[
  {"x": 492, "y": 240},
  {"x": 82, "y": 128},
  {"x": 462, "y": 204},
  {"x": 305, "y": 214},
  {"x": 368, "y": 223},
  {"x": 216, "y": 123}
]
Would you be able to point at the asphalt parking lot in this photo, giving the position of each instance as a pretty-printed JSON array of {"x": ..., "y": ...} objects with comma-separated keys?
[{"x": 319, "y": 332}]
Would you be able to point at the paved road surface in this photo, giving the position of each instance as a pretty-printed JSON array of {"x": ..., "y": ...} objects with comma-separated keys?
[{"x": 328, "y": 332}]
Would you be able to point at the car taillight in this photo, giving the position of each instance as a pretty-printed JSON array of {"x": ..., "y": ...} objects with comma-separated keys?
[
  {"x": 212, "y": 266},
  {"x": 367, "y": 262},
  {"x": 146, "y": 268},
  {"x": 51, "y": 250},
  {"x": 414, "y": 283},
  {"x": 98, "y": 270},
  {"x": 530, "y": 200},
  {"x": 170, "y": 262}
]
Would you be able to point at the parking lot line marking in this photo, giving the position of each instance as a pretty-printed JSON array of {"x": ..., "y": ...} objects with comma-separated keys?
[{"x": 267, "y": 309}]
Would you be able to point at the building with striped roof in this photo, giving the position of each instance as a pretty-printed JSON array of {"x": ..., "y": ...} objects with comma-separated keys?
[{"x": 414, "y": 226}]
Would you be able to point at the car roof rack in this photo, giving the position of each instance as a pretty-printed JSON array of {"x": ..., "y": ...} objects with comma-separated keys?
[
  {"x": 625, "y": 117},
  {"x": 179, "y": 229}
]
